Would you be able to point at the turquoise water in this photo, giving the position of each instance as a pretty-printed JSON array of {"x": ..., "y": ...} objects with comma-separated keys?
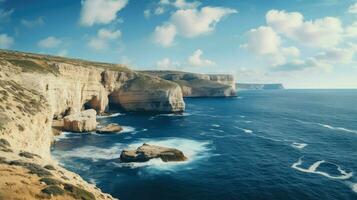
[{"x": 283, "y": 144}]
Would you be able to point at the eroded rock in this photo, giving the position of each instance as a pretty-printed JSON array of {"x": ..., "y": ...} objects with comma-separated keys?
[
  {"x": 110, "y": 129},
  {"x": 146, "y": 152},
  {"x": 81, "y": 122}
]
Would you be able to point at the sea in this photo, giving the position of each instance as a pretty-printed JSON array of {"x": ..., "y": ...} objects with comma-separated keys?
[{"x": 263, "y": 144}]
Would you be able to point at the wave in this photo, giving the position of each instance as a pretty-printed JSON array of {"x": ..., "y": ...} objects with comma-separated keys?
[
  {"x": 216, "y": 125},
  {"x": 329, "y": 126},
  {"x": 109, "y": 116},
  {"x": 193, "y": 150},
  {"x": 352, "y": 185},
  {"x": 298, "y": 145},
  {"x": 217, "y": 130},
  {"x": 243, "y": 129},
  {"x": 128, "y": 129},
  {"x": 314, "y": 169},
  {"x": 337, "y": 128}
]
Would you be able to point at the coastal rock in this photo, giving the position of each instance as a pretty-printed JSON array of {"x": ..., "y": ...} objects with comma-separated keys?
[
  {"x": 200, "y": 85},
  {"x": 81, "y": 122},
  {"x": 149, "y": 94},
  {"x": 146, "y": 152},
  {"x": 111, "y": 128}
]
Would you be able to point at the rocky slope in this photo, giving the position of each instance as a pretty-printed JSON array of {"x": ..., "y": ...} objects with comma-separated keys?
[
  {"x": 200, "y": 85},
  {"x": 257, "y": 86},
  {"x": 35, "y": 89}
]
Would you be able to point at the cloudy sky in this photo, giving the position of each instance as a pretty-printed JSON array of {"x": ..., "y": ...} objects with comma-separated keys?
[{"x": 301, "y": 43}]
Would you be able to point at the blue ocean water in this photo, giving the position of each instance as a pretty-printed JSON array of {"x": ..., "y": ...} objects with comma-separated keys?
[{"x": 282, "y": 144}]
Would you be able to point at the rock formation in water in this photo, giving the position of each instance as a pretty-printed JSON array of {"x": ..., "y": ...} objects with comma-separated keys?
[
  {"x": 147, "y": 152},
  {"x": 110, "y": 129},
  {"x": 84, "y": 121},
  {"x": 200, "y": 85},
  {"x": 258, "y": 86}
]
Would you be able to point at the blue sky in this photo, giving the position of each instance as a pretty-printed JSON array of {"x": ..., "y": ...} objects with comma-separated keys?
[{"x": 301, "y": 43}]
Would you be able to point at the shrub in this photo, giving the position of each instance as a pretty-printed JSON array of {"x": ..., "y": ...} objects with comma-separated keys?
[
  {"x": 49, "y": 167},
  {"x": 50, "y": 181},
  {"x": 53, "y": 190},
  {"x": 78, "y": 193}
]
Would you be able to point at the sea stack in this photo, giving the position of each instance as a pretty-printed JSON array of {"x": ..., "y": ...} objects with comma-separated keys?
[{"x": 147, "y": 152}]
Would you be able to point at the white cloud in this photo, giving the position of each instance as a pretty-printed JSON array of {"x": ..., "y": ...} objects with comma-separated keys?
[
  {"x": 166, "y": 64},
  {"x": 33, "y": 23},
  {"x": 351, "y": 31},
  {"x": 263, "y": 40},
  {"x": 159, "y": 10},
  {"x": 197, "y": 61},
  {"x": 165, "y": 35},
  {"x": 191, "y": 23},
  {"x": 104, "y": 36},
  {"x": 147, "y": 13},
  {"x": 180, "y": 4},
  {"x": 337, "y": 55},
  {"x": 49, "y": 42},
  {"x": 321, "y": 33},
  {"x": 353, "y": 9},
  {"x": 100, "y": 11},
  {"x": 62, "y": 53},
  {"x": 308, "y": 64},
  {"x": 5, "y": 14},
  {"x": 6, "y": 41}
]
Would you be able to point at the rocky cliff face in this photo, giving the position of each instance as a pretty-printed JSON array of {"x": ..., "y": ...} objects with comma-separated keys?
[
  {"x": 35, "y": 89},
  {"x": 200, "y": 85}
]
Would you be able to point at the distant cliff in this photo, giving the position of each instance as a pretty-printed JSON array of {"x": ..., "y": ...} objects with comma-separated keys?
[
  {"x": 257, "y": 86},
  {"x": 200, "y": 85}
]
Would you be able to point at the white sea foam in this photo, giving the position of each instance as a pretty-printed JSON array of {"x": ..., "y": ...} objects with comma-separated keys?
[
  {"x": 216, "y": 125},
  {"x": 175, "y": 114},
  {"x": 298, "y": 145},
  {"x": 217, "y": 130},
  {"x": 243, "y": 129},
  {"x": 127, "y": 129},
  {"x": 314, "y": 169},
  {"x": 337, "y": 128},
  {"x": 352, "y": 185},
  {"x": 108, "y": 116},
  {"x": 193, "y": 150},
  {"x": 62, "y": 136}
]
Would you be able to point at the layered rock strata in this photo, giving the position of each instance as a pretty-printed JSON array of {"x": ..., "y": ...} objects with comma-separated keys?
[{"x": 200, "y": 85}]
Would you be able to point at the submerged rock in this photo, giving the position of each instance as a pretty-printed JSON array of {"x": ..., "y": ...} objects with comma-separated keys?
[
  {"x": 111, "y": 128},
  {"x": 81, "y": 122},
  {"x": 146, "y": 152}
]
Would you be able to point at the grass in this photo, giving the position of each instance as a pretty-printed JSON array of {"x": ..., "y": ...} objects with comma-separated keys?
[{"x": 49, "y": 167}]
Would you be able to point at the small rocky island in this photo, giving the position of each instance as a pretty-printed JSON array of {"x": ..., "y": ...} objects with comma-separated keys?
[{"x": 147, "y": 152}]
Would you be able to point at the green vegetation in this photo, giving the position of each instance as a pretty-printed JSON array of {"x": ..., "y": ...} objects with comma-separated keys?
[
  {"x": 32, "y": 167},
  {"x": 49, "y": 167},
  {"x": 4, "y": 145},
  {"x": 50, "y": 181},
  {"x": 53, "y": 190},
  {"x": 28, "y": 154},
  {"x": 78, "y": 193}
]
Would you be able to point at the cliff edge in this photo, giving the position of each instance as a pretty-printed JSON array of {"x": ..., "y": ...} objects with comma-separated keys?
[
  {"x": 200, "y": 85},
  {"x": 36, "y": 89}
]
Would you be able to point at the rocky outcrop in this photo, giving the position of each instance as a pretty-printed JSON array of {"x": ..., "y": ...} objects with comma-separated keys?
[
  {"x": 200, "y": 85},
  {"x": 258, "y": 86},
  {"x": 84, "y": 121},
  {"x": 110, "y": 129},
  {"x": 147, "y": 152}
]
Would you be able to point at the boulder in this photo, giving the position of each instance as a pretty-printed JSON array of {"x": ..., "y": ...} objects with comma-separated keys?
[
  {"x": 111, "y": 128},
  {"x": 81, "y": 122},
  {"x": 146, "y": 152}
]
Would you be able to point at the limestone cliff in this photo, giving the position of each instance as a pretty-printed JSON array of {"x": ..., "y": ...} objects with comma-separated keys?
[
  {"x": 35, "y": 89},
  {"x": 200, "y": 85}
]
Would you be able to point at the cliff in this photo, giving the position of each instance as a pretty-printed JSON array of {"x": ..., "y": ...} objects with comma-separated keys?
[
  {"x": 200, "y": 85},
  {"x": 35, "y": 89},
  {"x": 257, "y": 86}
]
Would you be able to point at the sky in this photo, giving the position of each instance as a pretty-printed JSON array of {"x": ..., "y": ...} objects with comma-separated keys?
[{"x": 300, "y": 43}]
